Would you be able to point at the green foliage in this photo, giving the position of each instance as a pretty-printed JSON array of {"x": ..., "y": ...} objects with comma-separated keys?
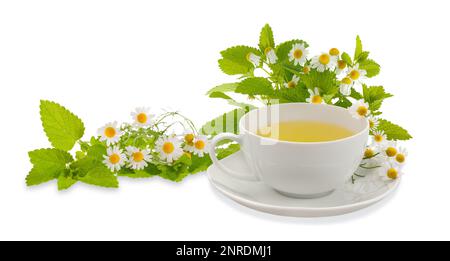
[
  {"x": 346, "y": 58},
  {"x": 100, "y": 176},
  {"x": 393, "y": 131},
  {"x": 255, "y": 86},
  {"x": 358, "y": 48},
  {"x": 234, "y": 60},
  {"x": 372, "y": 68},
  {"x": 48, "y": 164},
  {"x": 266, "y": 38},
  {"x": 374, "y": 96},
  {"x": 62, "y": 127}
]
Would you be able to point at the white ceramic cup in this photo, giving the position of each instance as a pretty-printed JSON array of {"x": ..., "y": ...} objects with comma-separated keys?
[{"x": 298, "y": 169}]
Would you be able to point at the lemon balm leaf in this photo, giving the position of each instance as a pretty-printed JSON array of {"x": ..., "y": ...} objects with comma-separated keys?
[
  {"x": 100, "y": 176},
  {"x": 65, "y": 182},
  {"x": 255, "y": 86},
  {"x": 358, "y": 48},
  {"x": 346, "y": 58},
  {"x": 226, "y": 87},
  {"x": 370, "y": 66},
  {"x": 63, "y": 128},
  {"x": 48, "y": 164},
  {"x": 234, "y": 60},
  {"x": 393, "y": 131},
  {"x": 266, "y": 38}
]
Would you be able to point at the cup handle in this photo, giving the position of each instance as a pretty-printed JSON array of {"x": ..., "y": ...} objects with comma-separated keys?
[{"x": 215, "y": 160}]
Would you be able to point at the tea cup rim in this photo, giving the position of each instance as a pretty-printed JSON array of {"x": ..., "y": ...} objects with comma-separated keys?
[{"x": 359, "y": 133}]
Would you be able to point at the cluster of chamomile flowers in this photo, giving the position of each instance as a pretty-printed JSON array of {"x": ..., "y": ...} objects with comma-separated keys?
[
  {"x": 167, "y": 150},
  {"x": 298, "y": 55}
]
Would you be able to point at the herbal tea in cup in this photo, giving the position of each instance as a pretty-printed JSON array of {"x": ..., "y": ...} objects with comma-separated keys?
[{"x": 305, "y": 131}]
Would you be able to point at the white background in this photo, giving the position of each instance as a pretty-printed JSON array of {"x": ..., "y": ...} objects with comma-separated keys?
[{"x": 103, "y": 58}]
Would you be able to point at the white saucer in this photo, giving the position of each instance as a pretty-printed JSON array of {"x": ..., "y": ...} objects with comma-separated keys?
[{"x": 350, "y": 197}]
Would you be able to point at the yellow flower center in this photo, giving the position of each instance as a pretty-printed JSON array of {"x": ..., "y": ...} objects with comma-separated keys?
[
  {"x": 341, "y": 64},
  {"x": 324, "y": 59},
  {"x": 392, "y": 173},
  {"x": 298, "y": 54},
  {"x": 189, "y": 155},
  {"x": 110, "y": 132},
  {"x": 334, "y": 51},
  {"x": 400, "y": 158},
  {"x": 378, "y": 138},
  {"x": 354, "y": 74},
  {"x": 168, "y": 147},
  {"x": 114, "y": 158},
  {"x": 306, "y": 70},
  {"x": 316, "y": 99},
  {"x": 291, "y": 84},
  {"x": 346, "y": 80},
  {"x": 391, "y": 151},
  {"x": 368, "y": 153},
  {"x": 362, "y": 110},
  {"x": 142, "y": 118},
  {"x": 199, "y": 144},
  {"x": 189, "y": 138},
  {"x": 138, "y": 156}
]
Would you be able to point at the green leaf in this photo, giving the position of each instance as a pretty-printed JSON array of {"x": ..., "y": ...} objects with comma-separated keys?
[
  {"x": 343, "y": 102},
  {"x": 266, "y": 38},
  {"x": 393, "y": 131},
  {"x": 355, "y": 94},
  {"x": 255, "y": 86},
  {"x": 358, "y": 48},
  {"x": 371, "y": 67},
  {"x": 325, "y": 81},
  {"x": 220, "y": 95},
  {"x": 362, "y": 56},
  {"x": 100, "y": 176},
  {"x": 283, "y": 49},
  {"x": 346, "y": 58},
  {"x": 227, "y": 122},
  {"x": 150, "y": 171},
  {"x": 286, "y": 95},
  {"x": 234, "y": 60},
  {"x": 48, "y": 164},
  {"x": 230, "y": 149},
  {"x": 199, "y": 163},
  {"x": 65, "y": 182},
  {"x": 178, "y": 171},
  {"x": 226, "y": 87},
  {"x": 62, "y": 127},
  {"x": 374, "y": 96}
]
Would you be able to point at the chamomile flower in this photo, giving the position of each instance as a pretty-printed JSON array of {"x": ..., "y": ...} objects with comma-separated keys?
[
  {"x": 341, "y": 66},
  {"x": 114, "y": 159},
  {"x": 298, "y": 54},
  {"x": 306, "y": 69},
  {"x": 271, "y": 55},
  {"x": 359, "y": 109},
  {"x": 371, "y": 157},
  {"x": 292, "y": 83},
  {"x": 169, "y": 148},
  {"x": 346, "y": 86},
  {"x": 373, "y": 123},
  {"x": 390, "y": 172},
  {"x": 188, "y": 139},
  {"x": 254, "y": 59},
  {"x": 110, "y": 133},
  {"x": 379, "y": 139},
  {"x": 200, "y": 145},
  {"x": 314, "y": 96},
  {"x": 334, "y": 52},
  {"x": 400, "y": 158},
  {"x": 370, "y": 152},
  {"x": 357, "y": 74},
  {"x": 141, "y": 117},
  {"x": 389, "y": 149},
  {"x": 137, "y": 158},
  {"x": 323, "y": 62}
]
